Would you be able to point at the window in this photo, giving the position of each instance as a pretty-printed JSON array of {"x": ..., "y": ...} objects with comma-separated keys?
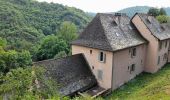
[
  {"x": 133, "y": 53},
  {"x": 132, "y": 68},
  {"x": 100, "y": 74},
  {"x": 102, "y": 57},
  {"x": 160, "y": 45},
  {"x": 158, "y": 60},
  {"x": 90, "y": 51},
  {"x": 166, "y": 43},
  {"x": 165, "y": 57}
]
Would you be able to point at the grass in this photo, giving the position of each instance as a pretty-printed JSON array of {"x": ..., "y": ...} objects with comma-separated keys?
[{"x": 145, "y": 87}]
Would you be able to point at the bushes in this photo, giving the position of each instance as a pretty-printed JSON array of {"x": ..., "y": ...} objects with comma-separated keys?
[{"x": 12, "y": 60}]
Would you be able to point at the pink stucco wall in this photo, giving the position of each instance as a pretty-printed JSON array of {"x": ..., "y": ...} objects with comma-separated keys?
[
  {"x": 94, "y": 62},
  {"x": 122, "y": 60}
]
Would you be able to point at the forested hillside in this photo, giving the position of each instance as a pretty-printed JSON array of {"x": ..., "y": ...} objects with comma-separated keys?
[
  {"x": 140, "y": 9},
  {"x": 23, "y": 23}
]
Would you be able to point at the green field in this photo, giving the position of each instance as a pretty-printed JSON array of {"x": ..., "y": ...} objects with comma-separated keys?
[{"x": 145, "y": 87}]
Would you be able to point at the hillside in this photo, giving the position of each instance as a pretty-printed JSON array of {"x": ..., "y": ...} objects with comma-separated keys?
[
  {"x": 140, "y": 9},
  {"x": 146, "y": 87},
  {"x": 25, "y": 22}
]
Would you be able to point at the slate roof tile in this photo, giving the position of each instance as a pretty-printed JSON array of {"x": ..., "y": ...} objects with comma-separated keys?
[
  {"x": 72, "y": 73},
  {"x": 110, "y": 32}
]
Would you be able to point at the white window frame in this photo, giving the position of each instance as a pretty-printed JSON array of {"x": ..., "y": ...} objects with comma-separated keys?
[{"x": 104, "y": 57}]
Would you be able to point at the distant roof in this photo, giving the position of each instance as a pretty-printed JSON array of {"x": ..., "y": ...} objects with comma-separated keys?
[
  {"x": 110, "y": 32},
  {"x": 155, "y": 27},
  {"x": 72, "y": 73}
]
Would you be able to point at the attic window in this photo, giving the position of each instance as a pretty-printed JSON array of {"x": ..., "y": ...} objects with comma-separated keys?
[{"x": 117, "y": 34}]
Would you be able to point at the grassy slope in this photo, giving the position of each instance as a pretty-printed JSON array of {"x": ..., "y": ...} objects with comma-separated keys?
[{"x": 146, "y": 87}]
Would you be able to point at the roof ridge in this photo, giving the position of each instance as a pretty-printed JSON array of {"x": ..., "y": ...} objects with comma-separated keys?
[{"x": 105, "y": 35}]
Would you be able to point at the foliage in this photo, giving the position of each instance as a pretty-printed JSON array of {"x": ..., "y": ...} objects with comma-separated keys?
[
  {"x": 3, "y": 42},
  {"x": 25, "y": 22},
  {"x": 146, "y": 87},
  {"x": 51, "y": 46},
  {"x": 154, "y": 12},
  {"x": 27, "y": 84},
  {"x": 162, "y": 11},
  {"x": 162, "y": 18},
  {"x": 130, "y": 11},
  {"x": 67, "y": 31},
  {"x": 60, "y": 55},
  {"x": 12, "y": 59}
]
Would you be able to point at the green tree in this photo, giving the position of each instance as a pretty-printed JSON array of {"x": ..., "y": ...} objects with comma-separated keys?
[
  {"x": 51, "y": 46},
  {"x": 67, "y": 31},
  {"x": 162, "y": 11},
  {"x": 12, "y": 60},
  {"x": 60, "y": 55},
  {"x": 27, "y": 84},
  {"x": 162, "y": 18},
  {"x": 3, "y": 42},
  {"x": 153, "y": 11}
]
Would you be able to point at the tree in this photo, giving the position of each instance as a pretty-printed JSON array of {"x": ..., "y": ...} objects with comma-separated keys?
[
  {"x": 51, "y": 46},
  {"x": 3, "y": 42},
  {"x": 162, "y": 11},
  {"x": 60, "y": 55},
  {"x": 162, "y": 18},
  {"x": 27, "y": 84},
  {"x": 12, "y": 59},
  {"x": 67, "y": 31},
  {"x": 153, "y": 11}
]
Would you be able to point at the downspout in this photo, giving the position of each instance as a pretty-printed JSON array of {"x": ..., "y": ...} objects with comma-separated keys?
[{"x": 112, "y": 72}]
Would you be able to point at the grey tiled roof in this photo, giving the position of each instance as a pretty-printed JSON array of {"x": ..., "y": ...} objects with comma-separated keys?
[
  {"x": 110, "y": 32},
  {"x": 72, "y": 73},
  {"x": 155, "y": 27}
]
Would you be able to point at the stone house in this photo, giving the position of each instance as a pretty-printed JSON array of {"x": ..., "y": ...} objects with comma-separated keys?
[{"x": 111, "y": 50}]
